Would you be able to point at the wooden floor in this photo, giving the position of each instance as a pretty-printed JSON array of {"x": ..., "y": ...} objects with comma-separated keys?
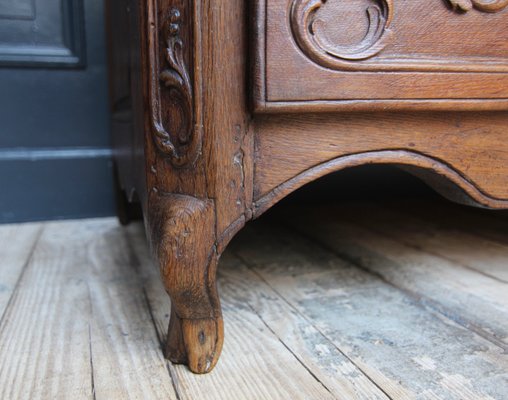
[{"x": 357, "y": 301}]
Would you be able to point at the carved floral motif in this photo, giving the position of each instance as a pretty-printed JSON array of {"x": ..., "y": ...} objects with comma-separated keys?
[{"x": 175, "y": 137}]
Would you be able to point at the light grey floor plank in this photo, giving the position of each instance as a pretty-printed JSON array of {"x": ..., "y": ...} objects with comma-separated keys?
[
  {"x": 44, "y": 348},
  {"x": 127, "y": 359},
  {"x": 489, "y": 224},
  {"x": 78, "y": 325},
  {"x": 463, "y": 247},
  {"x": 476, "y": 301},
  {"x": 17, "y": 242},
  {"x": 337, "y": 372},
  {"x": 407, "y": 350}
]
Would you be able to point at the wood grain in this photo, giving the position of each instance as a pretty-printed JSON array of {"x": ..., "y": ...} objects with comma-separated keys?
[
  {"x": 463, "y": 247},
  {"x": 44, "y": 348},
  {"x": 125, "y": 349},
  {"x": 475, "y": 301},
  {"x": 403, "y": 347},
  {"x": 230, "y": 138},
  {"x": 465, "y": 219},
  {"x": 325, "y": 361},
  {"x": 15, "y": 256},
  {"x": 77, "y": 326},
  {"x": 453, "y": 139},
  {"x": 182, "y": 229}
]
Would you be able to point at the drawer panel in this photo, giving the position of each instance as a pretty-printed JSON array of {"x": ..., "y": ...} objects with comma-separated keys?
[{"x": 317, "y": 55}]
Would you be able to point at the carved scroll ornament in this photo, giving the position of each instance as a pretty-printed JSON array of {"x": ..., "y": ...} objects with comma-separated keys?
[
  {"x": 175, "y": 136},
  {"x": 305, "y": 24},
  {"x": 308, "y": 29},
  {"x": 481, "y": 5}
]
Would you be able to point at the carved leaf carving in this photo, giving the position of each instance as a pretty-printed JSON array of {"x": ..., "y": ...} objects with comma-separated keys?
[
  {"x": 176, "y": 137},
  {"x": 176, "y": 77}
]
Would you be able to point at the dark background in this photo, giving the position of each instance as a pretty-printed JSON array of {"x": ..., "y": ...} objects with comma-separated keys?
[
  {"x": 55, "y": 155},
  {"x": 54, "y": 129}
]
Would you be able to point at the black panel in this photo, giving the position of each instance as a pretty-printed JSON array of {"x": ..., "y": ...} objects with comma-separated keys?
[
  {"x": 56, "y": 188},
  {"x": 54, "y": 108},
  {"x": 55, "y": 157},
  {"x": 17, "y": 9},
  {"x": 45, "y": 33}
]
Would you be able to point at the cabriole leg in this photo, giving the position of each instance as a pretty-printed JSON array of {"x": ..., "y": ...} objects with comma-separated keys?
[{"x": 182, "y": 235}]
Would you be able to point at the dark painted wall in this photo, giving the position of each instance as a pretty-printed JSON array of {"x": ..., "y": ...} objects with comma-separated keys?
[{"x": 54, "y": 128}]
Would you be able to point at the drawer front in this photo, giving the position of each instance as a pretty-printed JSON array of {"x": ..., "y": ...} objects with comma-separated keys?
[{"x": 327, "y": 55}]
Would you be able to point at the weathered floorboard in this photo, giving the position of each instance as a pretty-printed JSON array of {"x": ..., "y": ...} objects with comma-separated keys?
[
  {"x": 127, "y": 359},
  {"x": 78, "y": 325},
  {"x": 17, "y": 242},
  {"x": 463, "y": 247},
  {"x": 339, "y": 374},
  {"x": 44, "y": 336},
  {"x": 485, "y": 223},
  {"x": 474, "y": 300},
  {"x": 409, "y": 351}
]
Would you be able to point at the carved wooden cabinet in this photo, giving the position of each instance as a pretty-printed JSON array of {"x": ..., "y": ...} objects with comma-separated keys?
[{"x": 222, "y": 108}]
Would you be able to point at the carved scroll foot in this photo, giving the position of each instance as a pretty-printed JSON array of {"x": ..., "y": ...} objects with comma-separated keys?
[
  {"x": 182, "y": 235},
  {"x": 195, "y": 342}
]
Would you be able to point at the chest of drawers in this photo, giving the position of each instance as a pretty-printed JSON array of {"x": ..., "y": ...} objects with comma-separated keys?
[{"x": 222, "y": 108}]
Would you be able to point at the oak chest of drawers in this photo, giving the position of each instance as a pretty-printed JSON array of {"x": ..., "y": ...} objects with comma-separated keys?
[{"x": 222, "y": 108}]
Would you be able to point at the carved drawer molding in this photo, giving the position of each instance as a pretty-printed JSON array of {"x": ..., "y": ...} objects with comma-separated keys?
[{"x": 341, "y": 54}]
